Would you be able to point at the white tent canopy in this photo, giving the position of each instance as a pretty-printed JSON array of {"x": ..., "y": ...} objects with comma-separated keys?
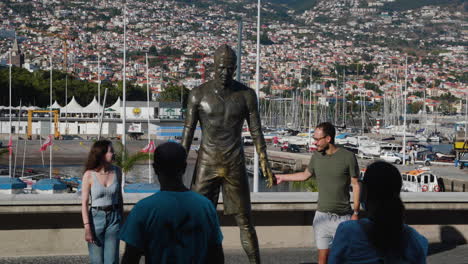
[
  {"x": 18, "y": 108},
  {"x": 72, "y": 107},
  {"x": 31, "y": 108},
  {"x": 94, "y": 107},
  {"x": 55, "y": 105},
  {"x": 117, "y": 105}
]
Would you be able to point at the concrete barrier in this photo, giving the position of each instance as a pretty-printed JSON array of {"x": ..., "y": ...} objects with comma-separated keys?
[{"x": 42, "y": 225}]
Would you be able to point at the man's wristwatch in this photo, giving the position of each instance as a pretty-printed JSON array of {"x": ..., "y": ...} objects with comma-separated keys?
[{"x": 356, "y": 213}]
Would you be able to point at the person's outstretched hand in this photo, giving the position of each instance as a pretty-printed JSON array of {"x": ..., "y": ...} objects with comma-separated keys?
[{"x": 279, "y": 179}]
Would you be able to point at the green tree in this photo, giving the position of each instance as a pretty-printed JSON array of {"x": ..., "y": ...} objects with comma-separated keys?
[
  {"x": 322, "y": 19},
  {"x": 153, "y": 51},
  {"x": 173, "y": 93},
  {"x": 168, "y": 51},
  {"x": 34, "y": 88},
  {"x": 415, "y": 107},
  {"x": 366, "y": 57},
  {"x": 3, "y": 151},
  {"x": 265, "y": 40},
  {"x": 372, "y": 86},
  {"x": 127, "y": 161},
  {"x": 428, "y": 61},
  {"x": 420, "y": 79}
]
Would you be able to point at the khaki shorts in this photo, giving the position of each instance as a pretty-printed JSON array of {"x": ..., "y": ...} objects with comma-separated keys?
[{"x": 325, "y": 225}]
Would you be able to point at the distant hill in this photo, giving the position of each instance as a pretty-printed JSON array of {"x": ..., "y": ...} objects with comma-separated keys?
[
  {"x": 300, "y": 6},
  {"x": 402, "y": 5},
  {"x": 397, "y": 5},
  {"x": 297, "y": 5}
]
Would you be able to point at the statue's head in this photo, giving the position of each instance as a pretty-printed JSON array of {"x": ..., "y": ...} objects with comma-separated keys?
[{"x": 225, "y": 64}]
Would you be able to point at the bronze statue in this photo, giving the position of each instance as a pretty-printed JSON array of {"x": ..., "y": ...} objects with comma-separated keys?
[{"x": 221, "y": 105}]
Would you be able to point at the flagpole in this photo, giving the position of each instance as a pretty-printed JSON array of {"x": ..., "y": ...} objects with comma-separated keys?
[
  {"x": 51, "y": 124},
  {"x": 148, "y": 109},
  {"x": 310, "y": 114},
  {"x": 24, "y": 157},
  {"x": 17, "y": 139},
  {"x": 124, "y": 102},
  {"x": 42, "y": 152},
  {"x": 101, "y": 115},
  {"x": 9, "y": 141},
  {"x": 99, "y": 79},
  {"x": 66, "y": 103},
  {"x": 404, "y": 113},
  {"x": 344, "y": 98},
  {"x": 257, "y": 88},
  {"x": 239, "y": 51}
]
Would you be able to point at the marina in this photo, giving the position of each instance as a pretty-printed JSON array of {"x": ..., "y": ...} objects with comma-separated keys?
[{"x": 70, "y": 156}]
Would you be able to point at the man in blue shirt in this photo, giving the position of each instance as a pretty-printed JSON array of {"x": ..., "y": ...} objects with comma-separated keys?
[{"x": 174, "y": 225}]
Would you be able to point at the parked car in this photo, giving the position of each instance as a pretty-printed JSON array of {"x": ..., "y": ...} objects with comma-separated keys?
[
  {"x": 71, "y": 137},
  {"x": 393, "y": 157},
  {"x": 291, "y": 148}
]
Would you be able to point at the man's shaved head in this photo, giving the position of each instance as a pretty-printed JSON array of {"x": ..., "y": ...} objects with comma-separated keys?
[{"x": 170, "y": 158}]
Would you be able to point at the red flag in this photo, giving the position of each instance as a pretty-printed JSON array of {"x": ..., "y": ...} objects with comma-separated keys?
[
  {"x": 47, "y": 142},
  {"x": 149, "y": 148},
  {"x": 10, "y": 146}
]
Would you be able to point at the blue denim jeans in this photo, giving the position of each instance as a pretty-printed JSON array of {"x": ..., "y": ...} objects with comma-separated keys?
[{"x": 105, "y": 226}]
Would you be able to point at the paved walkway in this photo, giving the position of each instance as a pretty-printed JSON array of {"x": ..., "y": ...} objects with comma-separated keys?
[{"x": 439, "y": 254}]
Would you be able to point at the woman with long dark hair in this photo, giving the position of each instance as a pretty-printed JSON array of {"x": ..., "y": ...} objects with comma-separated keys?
[
  {"x": 382, "y": 237},
  {"x": 103, "y": 183}
]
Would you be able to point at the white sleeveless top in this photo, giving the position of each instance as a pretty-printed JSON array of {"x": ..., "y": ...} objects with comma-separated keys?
[{"x": 104, "y": 196}]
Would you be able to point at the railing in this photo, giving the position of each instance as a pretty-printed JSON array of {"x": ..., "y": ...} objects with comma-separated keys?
[{"x": 34, "y": 225}]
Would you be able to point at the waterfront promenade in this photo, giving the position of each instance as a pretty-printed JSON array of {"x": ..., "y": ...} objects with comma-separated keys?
[
  {"x": 447, "y": 254},
  {"x": 50, "y": 226}
]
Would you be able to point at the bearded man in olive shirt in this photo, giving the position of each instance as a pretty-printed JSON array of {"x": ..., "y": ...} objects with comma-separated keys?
[{"x": 335, "y": 169}]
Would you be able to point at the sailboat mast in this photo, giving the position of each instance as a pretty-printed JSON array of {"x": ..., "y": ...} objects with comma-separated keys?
[
  {"x": 363, "y": 103},
  {"x": 257, "y": 88},
  {"x": 124, "y": 77},
  {"x": 344, "y": 98},
  {"x": 466, "y": 116},
  {"x": 310, "y": 114},
  {"x": 124, "y": 92},
  {"x": 51, "y": 123},
  {"x": 404, "y": 110},
  {"x": 336, "y": 97},
  {"x": 99, "y": 80},
  {"x": 150, "y": 179},
  {"x": 9, "y": 125},
  {"x": 66, "y": 103},
  {"x": 424, "y": 110}
]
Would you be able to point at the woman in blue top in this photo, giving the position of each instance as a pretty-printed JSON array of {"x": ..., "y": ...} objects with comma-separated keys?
[
  {"x": 382, "y": 237},
  {"x": 102, "y": 181}
]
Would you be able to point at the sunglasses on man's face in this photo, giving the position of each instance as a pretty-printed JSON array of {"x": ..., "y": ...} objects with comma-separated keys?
[{"x": 317, "y": 139}]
